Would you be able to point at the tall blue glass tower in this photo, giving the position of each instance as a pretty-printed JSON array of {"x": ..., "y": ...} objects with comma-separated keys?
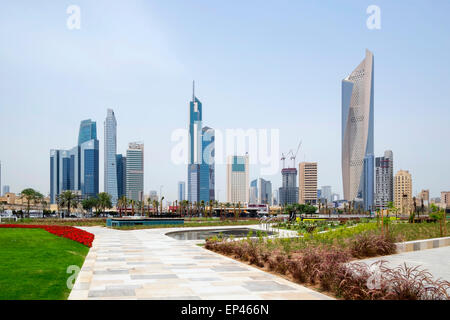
[
  {"x": 76, "y": 169},
  {"x": 89, "y": 167},
  {"x": 201, "y": 155},
  {"x": 121, "y": 175},
  {"x": 88, "y": 131},
  {"x": 207, "y": 166}
]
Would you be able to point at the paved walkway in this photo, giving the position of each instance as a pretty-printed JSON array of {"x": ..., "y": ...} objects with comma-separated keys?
[
  {"x": 147, "y": 264},
  {"x": 436, "y": 261}
]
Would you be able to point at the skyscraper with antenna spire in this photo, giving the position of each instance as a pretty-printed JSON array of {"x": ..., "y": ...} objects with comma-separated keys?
[{"x": 201, "y": 154}]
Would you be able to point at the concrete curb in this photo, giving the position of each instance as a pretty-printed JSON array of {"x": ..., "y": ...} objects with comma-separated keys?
[{"x": 417, "y": 245}]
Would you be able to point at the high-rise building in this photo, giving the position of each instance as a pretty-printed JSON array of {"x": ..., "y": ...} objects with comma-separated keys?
[
  {"x": 206, "y": 179},
  {"x": 64, "y": 170},
  {"x": 238, "y": 179},
  {"x": 76, "y": 169},
  {"x": 181, "y": 191},
  {"x": 307, "y": 182},
  {"x": 326, "y": 193},
  {"x": 121, "y": 162},
  {"x": 445, "y": 199},
  {"x": 5, "y": 190},
  {"x": 110, "y": 158},
  {"x": 288, "y": 193},
  {"x": 368, "y": 188},
  {"x": 89, "y": 168},
  {"x": 201, "y": 184},
  {"x": 384, "y": 180},
  {"x": 253, "y": 197},
  {"x": 264, "y": 192},
  {"x": 88, "y": 131},
  {"x": 403, "y": 191},
  {"x": 135, "y": 171},
  {"x": 423, "y": 196},
  {"x": 54, "y": 174},
  {"x": 275, "y": 197},
  {"x": 357, "y": 131},
  {"x": 260, "y": 192}
]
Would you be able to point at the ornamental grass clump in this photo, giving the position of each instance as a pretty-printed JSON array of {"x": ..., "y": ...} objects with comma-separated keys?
[
  {"x": 370, "y": 245},
  {"x": 325, "y": 271},
  {"x": 359, "y": 281},
  {"x": 318, "y": 265},
  {"x": 278, "y": 261}
]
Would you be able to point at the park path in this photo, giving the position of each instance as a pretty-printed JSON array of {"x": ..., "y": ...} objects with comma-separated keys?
[
  {"x": 147, "y": 264},
  {"x": 436, "y": 261}
]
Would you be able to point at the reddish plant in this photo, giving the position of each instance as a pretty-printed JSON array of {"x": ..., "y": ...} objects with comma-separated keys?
[
  {"x": 278, "y": 262},
  {"x": 359, "y": 281},
  {"x": 72, "y": 233},
  {"x": 331, "y": 260},
  {"x": 370, "y": 245}
]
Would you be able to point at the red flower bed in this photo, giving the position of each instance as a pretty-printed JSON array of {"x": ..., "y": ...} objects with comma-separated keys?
[{"x": 71, "y": 233}]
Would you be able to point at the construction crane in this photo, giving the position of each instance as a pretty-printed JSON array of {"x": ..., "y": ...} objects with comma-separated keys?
[
  {"x": 283, "y": 158},
  {"x": 295, "y": 155}
]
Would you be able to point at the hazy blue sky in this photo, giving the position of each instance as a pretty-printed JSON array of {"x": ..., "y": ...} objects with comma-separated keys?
[{"x": 257, "y": 64}]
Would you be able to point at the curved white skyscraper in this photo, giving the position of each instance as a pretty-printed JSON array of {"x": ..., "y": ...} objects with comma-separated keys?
[
  {"x": 110, "y": 156},
  {"x": 357, "y": 133}
]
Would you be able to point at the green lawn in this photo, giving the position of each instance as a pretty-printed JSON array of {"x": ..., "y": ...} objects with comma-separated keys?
[{"x": 33, "y": 264}]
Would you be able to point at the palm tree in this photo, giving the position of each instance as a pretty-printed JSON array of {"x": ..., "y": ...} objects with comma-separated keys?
[
  {"x": 227, "y": 205},
  {"x": 162, "y": 198},
  {"x": 89, "y": 203},
  {"x": 40, "y": 200},
  {"x": 132, "y": 203},
  {"x": 210, "y": 207},
  {"x": 122, "y": 203},
  {"x": 149, "y": 202},
  {"x": 392, "y": 208},
  {"x": 104, "y": 201},
  {"x": 155, "y": 206},
  {"x": 139, "y": 206},
  {"x": 30, "y": 195},
  {"x": 202, "y": 206},
  {"x": 68, "y": 199}
]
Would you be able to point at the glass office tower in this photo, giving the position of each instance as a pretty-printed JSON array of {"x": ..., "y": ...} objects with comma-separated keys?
[
  {"x": 206, "y": 183},
  {"x": 201, "y": 184},
  {"x": 135, "y": 171},
  {"x": 110, "y": 160},
  {"x": 181, "y": 191},
  {"x": 89, "y": 165},
  {"x": 121, "y": 175},
  {"x": 88, "y": 131},
  {"x": 76, "y": 169}
]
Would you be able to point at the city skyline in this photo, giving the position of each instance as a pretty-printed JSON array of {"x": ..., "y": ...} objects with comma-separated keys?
[{"x": 74, "y": 81}]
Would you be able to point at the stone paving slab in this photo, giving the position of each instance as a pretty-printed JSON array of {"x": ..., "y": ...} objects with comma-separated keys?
[
  {"x": 436, "y": 261},
  {"x": 147, "y": 264}
]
